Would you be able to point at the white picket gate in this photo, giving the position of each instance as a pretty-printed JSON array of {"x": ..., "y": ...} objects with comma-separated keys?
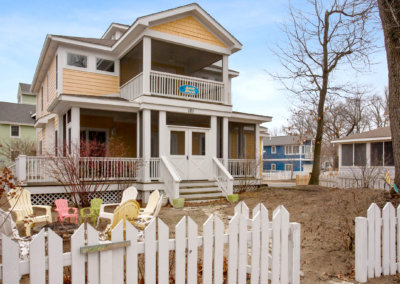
[
  {"x": 375, "y": 243},
  {"x": 263, "y": 250}
]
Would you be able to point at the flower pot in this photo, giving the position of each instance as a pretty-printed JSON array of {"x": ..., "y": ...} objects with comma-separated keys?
[{"x": 178, "y": 202}]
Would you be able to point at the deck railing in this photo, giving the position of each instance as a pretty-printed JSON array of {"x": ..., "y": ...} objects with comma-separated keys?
[
  {"x": 154, "y": 168},
  {"x": 223, "y": 177},
  {"x": 166, "y": 84},
  {"x": 133, "y": 88},
  {"x": 243, "y": 167}
]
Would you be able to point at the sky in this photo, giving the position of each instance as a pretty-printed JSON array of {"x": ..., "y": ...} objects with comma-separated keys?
[{"x": 256, "y": 24}]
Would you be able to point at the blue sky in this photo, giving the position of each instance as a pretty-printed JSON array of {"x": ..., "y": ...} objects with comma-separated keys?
[{"x": 24, "y": 25}]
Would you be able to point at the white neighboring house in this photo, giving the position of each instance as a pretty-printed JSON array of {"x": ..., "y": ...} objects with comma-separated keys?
[
  {"x": 370, "y": 149},
  {"x": 162, "y": 86}
]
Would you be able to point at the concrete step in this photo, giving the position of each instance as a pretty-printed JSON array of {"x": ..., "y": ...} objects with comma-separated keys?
[
  {"x": 194, "y": 183},
  {"x": 188, "y": 190}
]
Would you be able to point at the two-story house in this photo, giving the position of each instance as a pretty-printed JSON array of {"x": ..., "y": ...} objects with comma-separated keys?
[
  {"x": 287, "y": 153},
  {"x": 162, "y": 86},
  {"x": 17, "y": 131}
]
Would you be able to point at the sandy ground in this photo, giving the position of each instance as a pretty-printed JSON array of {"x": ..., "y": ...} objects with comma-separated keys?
[{"x": 327, "y": 224}]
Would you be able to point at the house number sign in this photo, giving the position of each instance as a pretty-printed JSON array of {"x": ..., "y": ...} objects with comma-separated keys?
[{"x": 189, "y": 90}]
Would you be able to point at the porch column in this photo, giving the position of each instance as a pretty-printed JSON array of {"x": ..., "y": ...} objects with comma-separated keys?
[
  {"x": 138, "y": 138},
  {"x": 225, "y": 142},
  {"x": 146, "y": 65},
  {"x": 225, "y": 78},
  {"x": 146, "y": 144},
  {"x": 75, "y": 128},
  {"x": 163, "y": 142},
  {"x": 258, "y": 154},
  {"x": 212, "y": 144}
]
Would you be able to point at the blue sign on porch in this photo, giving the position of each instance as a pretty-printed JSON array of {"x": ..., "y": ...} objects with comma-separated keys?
[{"x": 189, "y": 90}]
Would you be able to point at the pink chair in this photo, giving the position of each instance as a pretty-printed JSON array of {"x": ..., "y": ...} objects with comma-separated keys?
[{"x": 65, "y": 212}]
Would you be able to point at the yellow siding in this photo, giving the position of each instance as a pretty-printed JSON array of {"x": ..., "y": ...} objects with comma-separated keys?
[
  {"x": 88, "y": 83},
  {"x": 189, "y": 27}
]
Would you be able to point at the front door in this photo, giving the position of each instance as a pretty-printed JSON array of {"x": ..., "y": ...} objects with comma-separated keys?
[{"x": 188, "y": 153}]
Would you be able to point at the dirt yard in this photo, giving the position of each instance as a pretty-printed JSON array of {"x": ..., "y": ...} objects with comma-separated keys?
[{"x": 327, "y": 224}]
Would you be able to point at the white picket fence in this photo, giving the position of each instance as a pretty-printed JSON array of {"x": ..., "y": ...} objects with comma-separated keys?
[
  {"x": 375, "y": 243},
  {"x": 350, "y": 182},
  {"x": 256, "y": 248}
]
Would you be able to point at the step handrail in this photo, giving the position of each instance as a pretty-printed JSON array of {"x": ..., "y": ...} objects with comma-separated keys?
[
  {"x": 223, "y": 177},
  {"x": 170, "y": 178}
]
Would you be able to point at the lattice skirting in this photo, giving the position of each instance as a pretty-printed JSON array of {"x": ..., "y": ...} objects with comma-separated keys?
[{"x": 109, "y": 196}]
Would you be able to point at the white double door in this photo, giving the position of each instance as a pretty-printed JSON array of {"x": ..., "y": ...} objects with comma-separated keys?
[{"x": 189, "y": 152}]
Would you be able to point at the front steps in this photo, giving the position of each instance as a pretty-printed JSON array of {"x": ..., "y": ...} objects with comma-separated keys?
[{"x": 200, "y": 191}]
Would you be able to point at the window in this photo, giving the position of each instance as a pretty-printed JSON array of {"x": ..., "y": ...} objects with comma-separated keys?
[
  {"x": 288, "y": 167},
  {"x": 360, "y": 151},
  {"x": 56, "y": 143},
  {"x": 104, "y": 65},
  {"x": 77, "y": 60},
  {"x": 198, "y": 143},
  {"x": 291, "y": 150},
  {"x": 68, "y": 116},
  {"x": 347, "y": 154},
  {"x": 273, "y": 150},
  {"x": 14, "y": 131},
  {"x": 41, "y": 99},
  {"x": 389, "y": 161},
  {"x": 40, "y": 148},
  {"x": 377, "y": 154},
  {"x": 273, "y": 167},
  {"x": 47, "y": 87},
  {"x": 56, "y": 72},
  {"x": 177, "y": 142}
]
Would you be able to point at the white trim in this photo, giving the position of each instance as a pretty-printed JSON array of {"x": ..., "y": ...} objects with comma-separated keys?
[
  {"x": 19, "y": 131},
  {"x": 377, "y": 139},
  {"x": 288, "y": 159},
  {"x": 16, "y": 123}
]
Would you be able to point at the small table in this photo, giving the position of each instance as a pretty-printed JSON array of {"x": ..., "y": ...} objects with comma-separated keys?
[{"x": 64, "y": 229}]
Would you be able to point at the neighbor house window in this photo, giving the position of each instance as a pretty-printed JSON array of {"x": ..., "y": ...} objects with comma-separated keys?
[
  {"x": 291, "y": 150},
  {"x": 77, "y": 60},
  {"x": 347, "y": 154},
  {"x": 104, "y": 65},
  {"x": 14, "y": 131},
  {"x": 288, "y": 167},
  {"x": 389, "y": 161},
  {"x": 273, "y": 167},
  {"x": 273, "y": 149},
  {"x": 360, "y": 151}
]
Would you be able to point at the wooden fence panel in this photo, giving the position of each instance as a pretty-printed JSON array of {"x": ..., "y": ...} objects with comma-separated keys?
[
  {"x": 192, "y": 251},
  {"x": 361, "y": 248},
  {"x": 276, "y": 245},
  {"x": 243, "y": 250},
  {"x": 55, "y": 254},
  {"x": 207, "y": 250},
  {"x": 163, "y": 253},
  {"x": 93, "y": 257},
  {"x": 37, "y": 267},
  {"x": 218, "y": 250},
  {"x": 78, "y": 259},
  {"x": 118, "y": 254},
  {"x": 10, "y": 257},
  {"x": 255, "y": 249},
  {"x": 150, "y": 253},
  {"x": 264, "y": 260},
  {"x": 233, "y": 248},
  {"x": 131, "y": 254},
  {"x": 180, "y": 251}
]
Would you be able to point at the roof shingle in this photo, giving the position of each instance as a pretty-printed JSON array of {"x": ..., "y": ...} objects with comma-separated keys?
[
  {"x": 17, "y": 113},
  {"x": 381, "y": 132}
]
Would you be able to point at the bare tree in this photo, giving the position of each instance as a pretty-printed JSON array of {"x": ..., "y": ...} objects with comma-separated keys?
[
  {"x": 389, "y": 12},
  {"x": 11, "y": 148},
  {"x": 333, "y": 34}
]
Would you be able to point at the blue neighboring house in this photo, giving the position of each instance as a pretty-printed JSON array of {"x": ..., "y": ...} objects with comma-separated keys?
[{"x": 287, "y": 153}]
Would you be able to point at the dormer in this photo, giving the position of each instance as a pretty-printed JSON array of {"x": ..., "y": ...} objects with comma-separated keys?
[{"x": 115, "y": 31}]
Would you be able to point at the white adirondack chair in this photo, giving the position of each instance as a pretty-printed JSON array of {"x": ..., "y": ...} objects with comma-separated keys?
[
  {"x": 129, "y": 193},
  {"x": 151, "y": 204},
  {"x": 145, "y": 218},
  {"x": 20, "y": 204}
]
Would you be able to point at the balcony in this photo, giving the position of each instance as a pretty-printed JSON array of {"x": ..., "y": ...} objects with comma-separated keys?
[{"x": 170, "y": 85}]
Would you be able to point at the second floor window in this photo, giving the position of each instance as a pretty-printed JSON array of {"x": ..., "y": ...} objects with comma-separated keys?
[
  {"x": 104, "y": 65},
  {"x": 77, "y": 60},
  {"x": 273, "y": 149},
  {"x": 291, "y": 150}
]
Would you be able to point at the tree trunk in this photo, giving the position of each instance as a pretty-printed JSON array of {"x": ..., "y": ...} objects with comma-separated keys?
[
  {"x": 314, "y": 179},
  {"x": 389, "y": 12}
]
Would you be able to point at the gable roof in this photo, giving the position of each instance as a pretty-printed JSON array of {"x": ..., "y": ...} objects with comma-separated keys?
[
  {"x": 380, "y": 133},
  {"x": 25, "y": 88},
  {"x": 98, "y": 41},
  {"x": 17, "y": 113}
]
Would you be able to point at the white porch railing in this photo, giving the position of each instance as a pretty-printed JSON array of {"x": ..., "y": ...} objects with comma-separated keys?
[
  {"x": 154, "y": 168},
  {"x": 133, "y": 88},
  {"x": 109, "y": 168},
  {"x": 223, "y": 177},
  {"x": 243, "y": 167},
  {"x": 166, "y": 84},
  {"x": 170, "y": 178},
  {"x": 265, "y": 249},
  {"x": 38, "y": 169},
  {"x": 281, "y": 175}
]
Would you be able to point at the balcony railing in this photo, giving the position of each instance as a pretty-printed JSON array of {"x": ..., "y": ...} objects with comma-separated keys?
[
  {"x": 166, "y": 84},
  {"x": 244, "y": 168}
]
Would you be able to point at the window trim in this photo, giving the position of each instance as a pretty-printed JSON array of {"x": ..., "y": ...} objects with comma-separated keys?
[
  {"x": 273, "y": 149},
  {"x": 19, "y": 131}
]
